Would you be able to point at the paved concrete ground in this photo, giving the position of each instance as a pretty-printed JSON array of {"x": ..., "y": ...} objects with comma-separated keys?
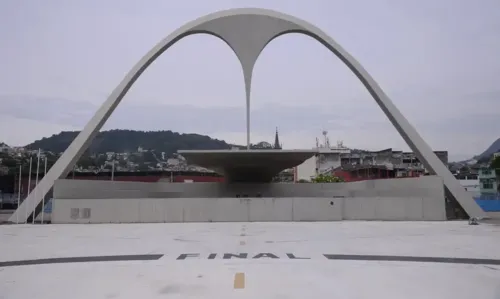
[{"x": 251, "y": 260}]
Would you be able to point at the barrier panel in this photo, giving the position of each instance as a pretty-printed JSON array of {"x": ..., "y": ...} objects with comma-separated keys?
[
  {"x": 118, "y": 202},
  {"x": 150, "y": 210}
]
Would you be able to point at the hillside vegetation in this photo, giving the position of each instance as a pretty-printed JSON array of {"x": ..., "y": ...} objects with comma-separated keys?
[{"x": 120, "y": 141}]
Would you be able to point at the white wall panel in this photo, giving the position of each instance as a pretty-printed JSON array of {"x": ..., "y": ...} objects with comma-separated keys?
[
  {"x": 151, "y": 210},
  {"x": 231, "y": 210},
  {"x": 317, "y": 209},
  {"x": 127, "y": 209},
  {"x": 246, "y": 209},
  {"x": 359, "y": 208},
  {"x": 173, "y": 209},
  {"x": 199, "y": 209},
  {"x": 434, "y": 209},
  {"x": 270, "y": 209},
  {"x": 396, "y": 208}
]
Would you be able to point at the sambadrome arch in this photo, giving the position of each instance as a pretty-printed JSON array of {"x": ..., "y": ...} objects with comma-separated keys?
[{"x": 247, "y": 31}]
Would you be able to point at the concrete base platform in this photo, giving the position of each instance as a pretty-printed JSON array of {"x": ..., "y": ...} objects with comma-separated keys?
[{"x": 251, "y": 260}]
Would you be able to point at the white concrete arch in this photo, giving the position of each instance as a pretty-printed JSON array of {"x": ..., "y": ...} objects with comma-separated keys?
[{"x": 247, "y": 31}]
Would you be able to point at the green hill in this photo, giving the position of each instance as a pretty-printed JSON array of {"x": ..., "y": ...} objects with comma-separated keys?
[
  {"x": 119, "y": 141},
  {"x": 488, "y": 153}
]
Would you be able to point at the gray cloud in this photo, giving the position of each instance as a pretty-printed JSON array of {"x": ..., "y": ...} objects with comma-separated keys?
[{"x": 184, "y": 118}]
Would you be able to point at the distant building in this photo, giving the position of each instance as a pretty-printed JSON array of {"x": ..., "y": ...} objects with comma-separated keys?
[
  {"x": 352, "y": 173},
  {"x": 173, "y": 162},
  {"x": 496, "y": 155},
  {"x": 488, "y": 181},
  {"x": 4, "y": 148},
  {"x": 359, "y": 164},
  {"x": 305, "y": 171}
]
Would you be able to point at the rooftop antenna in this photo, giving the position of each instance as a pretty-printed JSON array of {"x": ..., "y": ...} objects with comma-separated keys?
[{"x": 325, "y": 133}]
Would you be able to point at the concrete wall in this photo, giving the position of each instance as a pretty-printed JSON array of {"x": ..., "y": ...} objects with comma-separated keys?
[
  {"x": 120, "y": 202},
  {"x": 196, "y": 210},
  {"x": 150, "y": 210},
  {"x": 387, "y": 208},
  {"x": 422, "y": 187}
]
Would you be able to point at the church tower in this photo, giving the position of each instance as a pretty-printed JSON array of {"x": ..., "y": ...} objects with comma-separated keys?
[{"x": 277, "y": 144}]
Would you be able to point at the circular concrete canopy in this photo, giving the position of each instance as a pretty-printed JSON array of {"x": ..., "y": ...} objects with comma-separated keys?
[{"x": 249, "y": 166}]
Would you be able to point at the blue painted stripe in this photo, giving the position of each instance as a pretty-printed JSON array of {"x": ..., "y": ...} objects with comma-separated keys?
[{"x": 489, "y": 205}]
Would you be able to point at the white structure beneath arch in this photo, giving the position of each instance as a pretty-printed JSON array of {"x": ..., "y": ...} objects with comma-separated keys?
[{"x": 247, "y": 31}]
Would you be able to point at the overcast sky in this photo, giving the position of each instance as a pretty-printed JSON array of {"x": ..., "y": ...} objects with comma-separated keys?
[{"x": 438, "y": 61}]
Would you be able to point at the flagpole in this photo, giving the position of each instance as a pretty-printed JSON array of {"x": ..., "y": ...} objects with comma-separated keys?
[
  {"x": 19, "y": 193},
  {"x": 43, "y": 198},
  {"x": 36, "y": 189},
  {"x": 29, "y": 190}
]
